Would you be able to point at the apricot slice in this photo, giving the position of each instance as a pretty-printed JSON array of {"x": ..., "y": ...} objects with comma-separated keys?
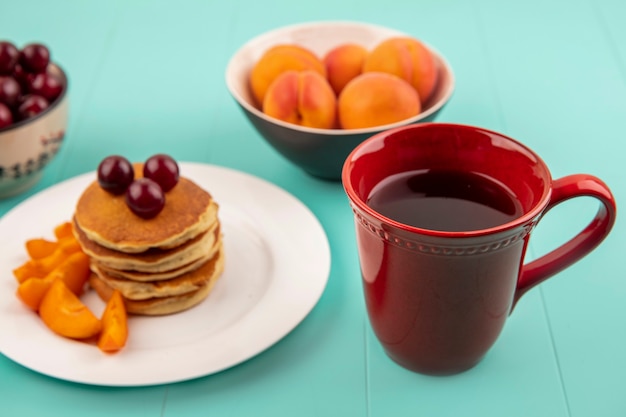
[
  {"x": 63, "y": 312},
  {"x": 376, "y": 99},
  {"x": 114, "y": 324},
  {"x": 32, "y": 291},
  {"x": 64, "y": 230},
  {"x": 278, "y": 59},
  {"x": 343, "y": 63},
  {"x": 29, "y": 269},
  {"x": 302, "y": 97},
  {"x": 39, "y": 268},
  {"x": 408, "y": 59},
  {"x": 73, "y": 271},
  {"x": 40, "y": 248}
]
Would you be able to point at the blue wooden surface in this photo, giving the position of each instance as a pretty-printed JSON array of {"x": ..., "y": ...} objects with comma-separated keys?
[{"x": 148, "y": 76}]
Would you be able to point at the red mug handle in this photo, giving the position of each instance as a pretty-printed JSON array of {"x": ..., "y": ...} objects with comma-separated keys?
[{"x": 580, "y": 245}]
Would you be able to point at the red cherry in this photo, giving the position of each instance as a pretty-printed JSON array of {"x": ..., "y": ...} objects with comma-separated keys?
[
  {"x": 46, "y": 85},
  {"x": 22, "y": 77},
  {"x": 6, "y": 118},
  {"x": 163, "y": 170},
  {"x": 10, "y": 91},
  {"x": 115, "y": 173},
  {"x": 9, "y": 56},
  {"x": 31, "y": 106},
  {"x": 145, "y": 198},
  {"x": 34, "y": 57}
]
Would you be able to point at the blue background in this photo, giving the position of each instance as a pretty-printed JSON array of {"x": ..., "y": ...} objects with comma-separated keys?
[{"x": 148, "y": 76}]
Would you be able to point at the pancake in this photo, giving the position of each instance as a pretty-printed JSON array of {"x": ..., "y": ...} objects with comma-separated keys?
[
  {"x": 157, "y": 306},
  {"x": 153, "y": 276},
  {"x": 161, "y": 265},
  {"x": 182, "y": 284},
  {"x": 153, "y": 260},
  {"x": 106, "y": 219}
]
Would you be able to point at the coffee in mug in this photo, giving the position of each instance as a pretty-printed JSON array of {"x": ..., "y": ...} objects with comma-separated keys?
[{"x": 443, "y": 216}]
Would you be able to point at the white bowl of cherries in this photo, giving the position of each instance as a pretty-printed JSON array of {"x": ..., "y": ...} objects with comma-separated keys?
[{"x": 33, "y": 114}]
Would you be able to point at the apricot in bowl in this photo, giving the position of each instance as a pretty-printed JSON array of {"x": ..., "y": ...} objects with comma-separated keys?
[{"x": 305, "y": 122}]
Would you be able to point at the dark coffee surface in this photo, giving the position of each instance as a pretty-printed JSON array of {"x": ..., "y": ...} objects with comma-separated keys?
[{"x": 451, "y": 201}]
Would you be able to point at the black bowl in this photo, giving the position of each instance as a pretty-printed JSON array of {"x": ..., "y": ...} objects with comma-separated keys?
[{"x": 321, "y": 152}]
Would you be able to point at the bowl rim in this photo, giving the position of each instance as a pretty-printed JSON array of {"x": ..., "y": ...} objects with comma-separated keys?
[
  {"x": 445, "y": 65},
  {"x": 48, "y": 109}
]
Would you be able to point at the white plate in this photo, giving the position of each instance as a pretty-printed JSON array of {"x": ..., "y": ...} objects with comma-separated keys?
[{"x": 277, "y": 262}]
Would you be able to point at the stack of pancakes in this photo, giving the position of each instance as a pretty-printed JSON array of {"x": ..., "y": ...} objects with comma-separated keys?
[{"x": 161, "y": 265}]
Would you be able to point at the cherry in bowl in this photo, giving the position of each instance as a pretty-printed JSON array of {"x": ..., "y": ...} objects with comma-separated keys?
[
  {"x": 9, "y": 55},
  {"x": 34, "y": 57}
]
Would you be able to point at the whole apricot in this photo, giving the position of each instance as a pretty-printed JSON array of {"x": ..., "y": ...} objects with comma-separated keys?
[
  {"x": 303, "y": 98},
  {"x": 408, "y": 59},
  {"x": 376, "y": 99},
  {"x": 343, "y": 63},
  {"x": 278, "y": 59}
]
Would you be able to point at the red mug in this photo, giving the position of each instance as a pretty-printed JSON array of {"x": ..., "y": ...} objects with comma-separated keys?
[{"x": 438, "y": 297}]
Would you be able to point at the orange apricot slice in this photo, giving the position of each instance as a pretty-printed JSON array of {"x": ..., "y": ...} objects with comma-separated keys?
[
  {"x": 39, "y": 268},
  {"x": 32, "y": 291},
  {"x": 29, "y": 269},
  {"x": 114, "y": 325},
  {"x": 66, "y": 315},
  {"x": 74, "y": 271},
  {"x": 64, "y": 230},
  {"x": 40, "y": 248}
]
